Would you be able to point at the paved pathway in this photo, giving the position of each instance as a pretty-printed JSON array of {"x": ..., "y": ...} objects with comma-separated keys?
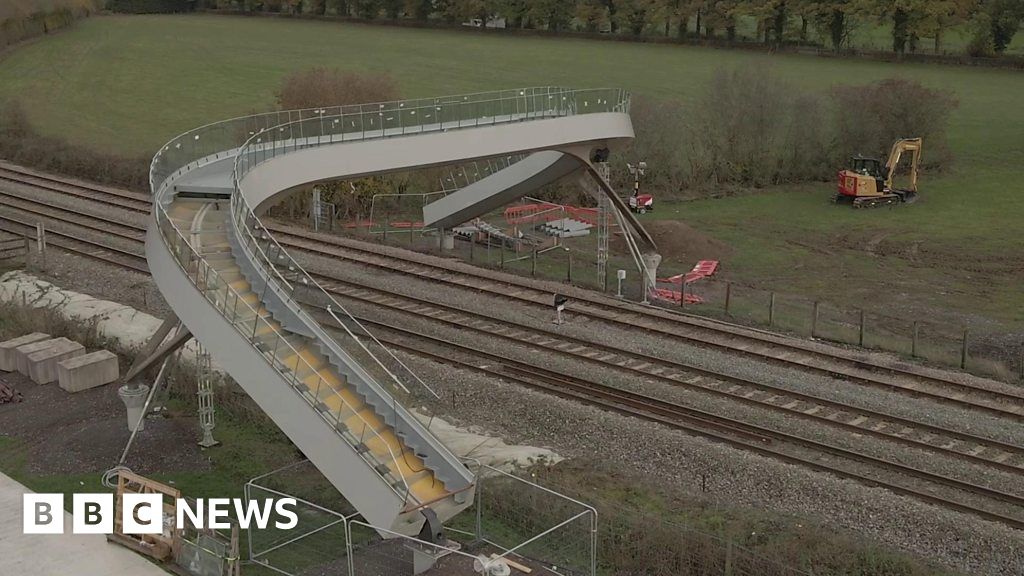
[{"x": 59, "y": 554}]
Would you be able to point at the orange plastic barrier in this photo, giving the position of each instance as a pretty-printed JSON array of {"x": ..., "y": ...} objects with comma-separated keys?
[
  {"x": 702, "y": 269},
  {"x": 546, "y": 212}
]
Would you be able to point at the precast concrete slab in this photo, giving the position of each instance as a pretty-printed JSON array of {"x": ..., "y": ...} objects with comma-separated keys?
[
  {"x": 8, "y": 361},
  {"x": 87, "y": 371},
  {"x": 42, "y": 365},
  {"x": 21, "y": 352}
]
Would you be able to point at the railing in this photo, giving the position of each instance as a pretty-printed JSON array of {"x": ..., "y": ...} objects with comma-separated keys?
[
  {"x": 254, "y": 139},
  {"x": 226, "y": 300}
]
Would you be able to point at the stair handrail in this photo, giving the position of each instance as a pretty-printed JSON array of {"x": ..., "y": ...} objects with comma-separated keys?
[
  {"x": 257, "y": 149},
  {"x": 205, "y": 271},
  {"x": 234, "y": 139}
]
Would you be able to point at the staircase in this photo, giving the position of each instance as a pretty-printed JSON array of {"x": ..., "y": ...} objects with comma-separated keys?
[{"x": 286, "y": 341}]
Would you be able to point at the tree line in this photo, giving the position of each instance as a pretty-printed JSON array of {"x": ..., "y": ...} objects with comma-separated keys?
[{"x": 992, "y": 23}]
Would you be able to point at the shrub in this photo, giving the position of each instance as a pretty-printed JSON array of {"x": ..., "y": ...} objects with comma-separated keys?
[
  {"x": 660, "y": 126},
  {"x": 331, "y": 87},
  {"x": 150, "y": 6},
  {"x": 19, "y": 143},
  {"x": 751, "y": 128},
  {"x": 869, "y": 118}
]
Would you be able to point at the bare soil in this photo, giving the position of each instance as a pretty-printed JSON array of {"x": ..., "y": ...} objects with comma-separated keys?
[
  {"x": 679, "y": 243},
  {"x": 64, "y": 433}
]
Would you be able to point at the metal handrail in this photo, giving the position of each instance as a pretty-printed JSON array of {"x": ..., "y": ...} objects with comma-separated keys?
[
  {"x": 205, "y": 271},
  {"x": 195, "y": 134},
  {"x": 242, "y": 165},
  {"x": 239, "y": 141}
]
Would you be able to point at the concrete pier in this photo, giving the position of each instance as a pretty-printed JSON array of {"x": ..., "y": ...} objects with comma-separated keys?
[{"x": 134, "y": 400}]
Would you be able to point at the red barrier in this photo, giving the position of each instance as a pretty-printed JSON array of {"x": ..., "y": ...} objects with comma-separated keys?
[
  {"x": 702, "y": 269},
  {"x": 546, "y": 212}
]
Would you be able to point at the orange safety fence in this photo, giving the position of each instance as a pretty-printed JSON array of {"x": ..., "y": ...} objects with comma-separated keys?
[{"x": 547, "y": 211}]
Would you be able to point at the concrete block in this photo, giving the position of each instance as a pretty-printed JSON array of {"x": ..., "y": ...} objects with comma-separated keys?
[
  {"x": 7, "y": 358},
  {"x": 21, "y": 352},
  {"x": 88, "y": 371},
  {"x": 42, "y": 365}
]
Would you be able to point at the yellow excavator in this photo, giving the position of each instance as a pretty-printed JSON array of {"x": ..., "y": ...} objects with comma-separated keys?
[{"x": 868, "y": 184}]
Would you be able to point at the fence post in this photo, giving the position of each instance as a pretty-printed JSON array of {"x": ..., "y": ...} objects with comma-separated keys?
[
  {"x": 568, "y": 271},
  {"x": 728, "y": 295},
  {"x": 860, "y": 339},
  {"x": 41, "y": 241},
  {"x": 771, "y": 309},
  {"x": 410, "y": 235},
  {"x": 682, "y": 294},
  {"x": 502, "y": 250},
  {"x": 728, "y": 558},
  {"x": 472, "y": 243},
  {"x": 913, "y": 340},
  {"x": 814, "y": 319},
  {"x": 533, "y": 265},
  {"x": 963, "y": 351}
]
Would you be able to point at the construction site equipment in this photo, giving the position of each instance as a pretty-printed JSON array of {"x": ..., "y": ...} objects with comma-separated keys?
[
  {"x": 868, "y": 184},
  {"x": 330, "y": 386},
  {"x": 639, "y": 203},
  {"x": 701, "y": 269}
]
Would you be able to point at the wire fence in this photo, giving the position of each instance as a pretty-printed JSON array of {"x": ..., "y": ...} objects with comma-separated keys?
[
  {"x": 979, "y": 348},
  {"x": 515, "y": 518}
]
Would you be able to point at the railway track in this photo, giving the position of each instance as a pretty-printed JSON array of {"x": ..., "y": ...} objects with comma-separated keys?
[
  {"x": 100, "y": 224},
  {"x": 917, "y": 483},
  {"x": 121, "y": 198},
  {"x": 857, "y": 420},
  {"x": 699, "y": 331},
  {"x": 654, "y": 320},
  {"x": 739, "y": 434},
  {"x": 80, "y": 246}
]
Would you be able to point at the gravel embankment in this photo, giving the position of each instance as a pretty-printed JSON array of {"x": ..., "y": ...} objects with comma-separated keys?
[{"x": 657, "y": 455}]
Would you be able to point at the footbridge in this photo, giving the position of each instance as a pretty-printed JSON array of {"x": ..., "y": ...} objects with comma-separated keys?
[{"x": 310, "y": 366}]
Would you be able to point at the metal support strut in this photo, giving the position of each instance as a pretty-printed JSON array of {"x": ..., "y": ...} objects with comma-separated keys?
[{"x": 204, "y": 378}]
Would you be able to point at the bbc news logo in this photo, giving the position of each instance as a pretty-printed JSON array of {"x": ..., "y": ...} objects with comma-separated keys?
[{"x": 144, "y": 513}]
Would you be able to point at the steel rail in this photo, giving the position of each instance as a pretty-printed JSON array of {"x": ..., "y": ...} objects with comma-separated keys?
[
  {"x": 645, "y": 313},
  {"x": 580, "y": 388}
]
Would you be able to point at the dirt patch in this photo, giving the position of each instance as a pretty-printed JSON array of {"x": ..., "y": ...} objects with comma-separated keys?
[
  {"x": 679, "y": 243},
  {"x": 66, "y": 433}
]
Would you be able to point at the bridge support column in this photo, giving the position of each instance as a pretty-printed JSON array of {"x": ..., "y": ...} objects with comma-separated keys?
[
  {"x": 134, "y": 398},
  {"x": 447, "y": 240},
  {"x": 651, "y": 262}
]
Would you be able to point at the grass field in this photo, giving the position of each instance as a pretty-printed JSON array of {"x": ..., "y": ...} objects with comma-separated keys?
[{"x": 128, "y": 84}]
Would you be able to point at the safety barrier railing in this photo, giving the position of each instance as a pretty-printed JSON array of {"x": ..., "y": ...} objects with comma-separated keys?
[
  {"x": 251, "y": 140},
  {"x": 280, "y": 354},
  {"x": 380, "y": 121}
]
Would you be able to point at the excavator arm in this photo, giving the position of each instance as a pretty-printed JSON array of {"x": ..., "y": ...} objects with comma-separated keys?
[{"x": 912, "y": 145}]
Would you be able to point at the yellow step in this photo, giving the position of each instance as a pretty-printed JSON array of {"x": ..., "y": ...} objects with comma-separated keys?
[
  {"x": 364, "y": 424},
  {"x": 304, "y": 360},
  {"x": 428, "y": 489}
]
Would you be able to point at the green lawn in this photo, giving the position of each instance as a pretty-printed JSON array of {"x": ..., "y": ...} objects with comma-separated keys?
[{"x": 129, "y": 83}]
